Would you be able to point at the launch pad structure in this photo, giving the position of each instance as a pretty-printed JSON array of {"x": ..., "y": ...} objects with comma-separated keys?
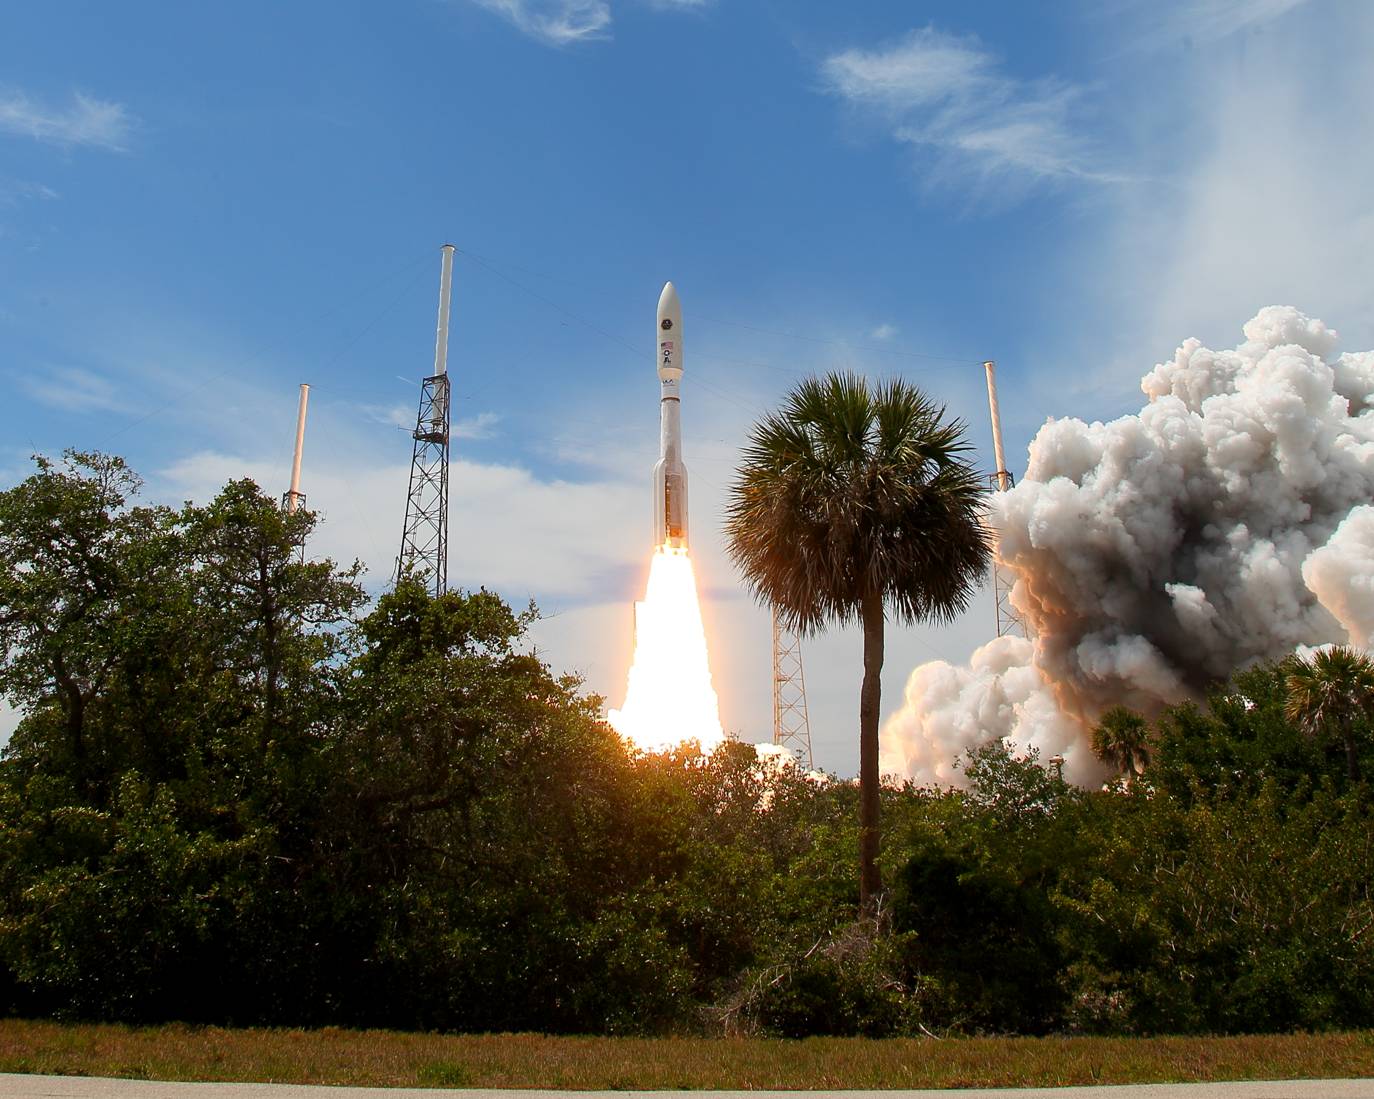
[
  {"x": 1008, "y": 618},
  {"x": 791, "y": 720},
  {"x": 424, "y": 537}
]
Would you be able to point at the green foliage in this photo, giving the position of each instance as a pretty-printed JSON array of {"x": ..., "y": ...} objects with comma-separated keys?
[
  {"x": 1331, "y": 694},
  {"x": 1121, "y": 740},
  {"x": 239, "y": 795}
]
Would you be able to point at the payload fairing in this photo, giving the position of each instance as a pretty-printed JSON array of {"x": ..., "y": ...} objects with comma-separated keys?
[{"x": 670, "y": 475}]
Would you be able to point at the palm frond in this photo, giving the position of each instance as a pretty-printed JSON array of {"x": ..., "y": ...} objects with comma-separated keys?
[{"x": 850, "y": 490}]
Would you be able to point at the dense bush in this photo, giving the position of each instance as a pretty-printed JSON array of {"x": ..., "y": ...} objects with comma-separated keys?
[{"x": 239, "y": 796}]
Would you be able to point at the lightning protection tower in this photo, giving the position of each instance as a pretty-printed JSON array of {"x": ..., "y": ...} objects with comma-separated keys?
[
  {"x": 294, "y": 498},
  {"x": 791, "y": 722},
  {"x": 1008, "y": 620},
  {"x": 424, "y": 540}
]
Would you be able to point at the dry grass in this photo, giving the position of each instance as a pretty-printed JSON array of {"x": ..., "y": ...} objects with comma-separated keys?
[{"x": 384, "y": 1058}]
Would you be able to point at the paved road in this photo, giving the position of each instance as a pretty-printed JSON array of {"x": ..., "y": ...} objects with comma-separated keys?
[{"x": 80, "y": 1087}]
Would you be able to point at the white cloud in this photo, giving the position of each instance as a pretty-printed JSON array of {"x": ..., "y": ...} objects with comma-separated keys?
[
  {"x": 883, "y": 332},
  {"x": 945, "y": 94},
  {"x": 97, "y": 123},
  {"x": 555, "y": 22}
]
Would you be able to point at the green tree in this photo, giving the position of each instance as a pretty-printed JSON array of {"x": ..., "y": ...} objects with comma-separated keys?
[
  {"x": 1121, "y": 740},
  {"x": 276, "y": 619},
  {"x": 1333, "y": 694},
  {"x": 1230, "y": 746},
  {"x": 80, "y": 566},
  {"x": 158, "y": 807},
  {"x": 854, "y": 501}
]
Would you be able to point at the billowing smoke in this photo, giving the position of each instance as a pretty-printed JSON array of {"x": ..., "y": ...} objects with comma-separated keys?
[{"x": 1226, "y": 522}]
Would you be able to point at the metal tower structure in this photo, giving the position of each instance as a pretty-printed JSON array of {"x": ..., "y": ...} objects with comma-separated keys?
[
  {"x": 424, "y": 539},
  {"x": 791, "y": 722},
  {"x": 1008, "y": 619}
]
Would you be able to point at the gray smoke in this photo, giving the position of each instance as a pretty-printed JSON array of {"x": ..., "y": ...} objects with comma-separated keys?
[{"x": 1225, "y": 523}]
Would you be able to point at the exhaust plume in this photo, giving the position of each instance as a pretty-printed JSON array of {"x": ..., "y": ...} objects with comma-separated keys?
[{"x": 1225, "y": 523}]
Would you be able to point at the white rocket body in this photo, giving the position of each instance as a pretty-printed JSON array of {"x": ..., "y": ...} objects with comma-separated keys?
[{"x": 670, "y": 475}]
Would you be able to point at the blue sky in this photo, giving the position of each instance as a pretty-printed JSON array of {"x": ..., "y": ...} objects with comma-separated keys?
[{"x": 203, "y": 205}]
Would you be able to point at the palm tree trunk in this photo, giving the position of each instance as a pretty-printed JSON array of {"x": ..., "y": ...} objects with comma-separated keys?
[
  {"x": 870, "y": 700},
  {"x": 1352, "y": 755}
]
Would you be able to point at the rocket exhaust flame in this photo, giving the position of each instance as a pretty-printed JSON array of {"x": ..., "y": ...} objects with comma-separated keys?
[{"x": 669, "y": 698}]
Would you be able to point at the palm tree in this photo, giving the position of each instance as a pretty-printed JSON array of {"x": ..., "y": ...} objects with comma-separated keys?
[
  {"x": 850, "y": 500},
  {"x": 1330, "y": 693},
  {"x": 1122, "y": 741}
]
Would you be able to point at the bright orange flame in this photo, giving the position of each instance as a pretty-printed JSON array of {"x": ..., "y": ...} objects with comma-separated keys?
[{"x": 669, "y": 698}]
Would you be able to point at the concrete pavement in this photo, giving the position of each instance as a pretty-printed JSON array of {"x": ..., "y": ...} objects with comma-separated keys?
[{"x": 82, "y": 1087}]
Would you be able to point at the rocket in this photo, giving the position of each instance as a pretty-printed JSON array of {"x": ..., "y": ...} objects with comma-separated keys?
[{"x": 670, "y": 475}]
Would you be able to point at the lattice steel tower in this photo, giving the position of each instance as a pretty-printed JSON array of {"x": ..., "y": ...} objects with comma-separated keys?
[
  {"x": 791, "y": 722},
  {"x": 424, "y": 540},
  {"x": 1008, "y": 619}
]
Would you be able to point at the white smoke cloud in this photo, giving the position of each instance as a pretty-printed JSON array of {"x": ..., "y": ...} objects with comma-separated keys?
[
  {"x": 1341, "y": 574},
  {"x": 948, "y": 710},
  {"x": 1224, "y": 523}
]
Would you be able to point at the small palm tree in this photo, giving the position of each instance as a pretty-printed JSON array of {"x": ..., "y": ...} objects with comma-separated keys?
[
  {"x": 1122, "y": 741},
  {"x": 1330, "y": 693},
  {"x": 851, "y": 500}
]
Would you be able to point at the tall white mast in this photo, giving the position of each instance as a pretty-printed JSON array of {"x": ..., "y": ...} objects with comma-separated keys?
[
  {"x": 1003, "y": 477},
  {"x": 1008, "y": 618},
  {"x": 445, "y": 294},
  {"x": 294, "y": 497}
]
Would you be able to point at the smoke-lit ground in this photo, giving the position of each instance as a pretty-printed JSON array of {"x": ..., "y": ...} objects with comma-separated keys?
[{"x": 1227, "y": 522}]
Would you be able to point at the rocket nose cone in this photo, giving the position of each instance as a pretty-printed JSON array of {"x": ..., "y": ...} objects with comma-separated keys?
[
  {"x": 669, "y": 334},
  {"x": 668, "y": 305}
]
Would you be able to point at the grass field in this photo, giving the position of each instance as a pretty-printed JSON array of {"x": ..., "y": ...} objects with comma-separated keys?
[
  {"x": 531, "y": 1061},
  {"x": 384, "y": 1058}
]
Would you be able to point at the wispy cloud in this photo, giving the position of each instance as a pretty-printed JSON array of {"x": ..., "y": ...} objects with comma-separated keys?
[
  {"x": 73, "y": 389},
  {"x": 481, "y": 426},
  {"x": 1204, "y": 21},
  {"x": 883, "y": 332},
  {"x": 396, "y": 415},
  {"x": 946, "y": 94},
  {"x": 562, "y": 22},
  {"x": 87, "y": 121},
  {"x": 555, "y": 22},
  {"x": 18, "y": 190}
]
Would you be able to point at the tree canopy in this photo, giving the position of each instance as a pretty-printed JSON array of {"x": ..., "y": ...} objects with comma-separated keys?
[{"x": 242, "y": 793}]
